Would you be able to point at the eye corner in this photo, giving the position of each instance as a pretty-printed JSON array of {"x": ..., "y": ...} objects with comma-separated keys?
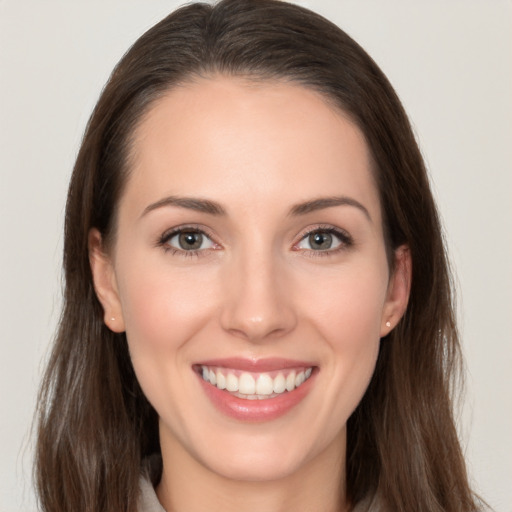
[
  {"x": 333, "y": 238},
  {"x": 199, "y": 241}
]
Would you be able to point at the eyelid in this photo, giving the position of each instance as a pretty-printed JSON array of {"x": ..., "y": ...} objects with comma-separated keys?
[
  {"x": 196, "y": 228},
  {"x": 164, "y": 238},
  {"x": 345, "y": 239},
  {"x": 204, "y": 238}
]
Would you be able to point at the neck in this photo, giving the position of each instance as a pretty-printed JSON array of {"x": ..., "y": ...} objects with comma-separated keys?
[{"x": 188, "y": 486}]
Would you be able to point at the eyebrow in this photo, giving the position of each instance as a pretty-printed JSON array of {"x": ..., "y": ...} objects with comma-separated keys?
[
  {"x": 213, "y": 208},
  {"x": 190, "y": 203},
  {"x": 327, "y": 202}
]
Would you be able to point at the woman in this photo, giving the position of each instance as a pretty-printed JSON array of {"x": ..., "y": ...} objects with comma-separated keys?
[{"x": 257, "y": 296}]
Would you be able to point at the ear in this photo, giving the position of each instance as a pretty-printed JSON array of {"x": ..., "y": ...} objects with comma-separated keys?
[
  {"x": 105, "y": 283},
  {"x": 399, "y": 288}
]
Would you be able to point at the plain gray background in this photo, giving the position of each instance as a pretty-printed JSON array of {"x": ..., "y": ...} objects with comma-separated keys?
[{"x": 449, "y": 60}]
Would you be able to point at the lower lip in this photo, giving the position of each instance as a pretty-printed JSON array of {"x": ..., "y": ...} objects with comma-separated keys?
[{"x": 256, "y": 410}]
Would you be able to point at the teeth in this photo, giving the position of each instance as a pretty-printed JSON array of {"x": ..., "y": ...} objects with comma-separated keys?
[
  {"x": 279, "y": 384},
  {"x": 231, "y": 383},
  {"x": 255, "y": 386},
  {"x": 290, "y": 382},
  {"x": 265, "y": 385},
  {"x": 246, "y": 384},
  {"x": 221, "y": 380}
]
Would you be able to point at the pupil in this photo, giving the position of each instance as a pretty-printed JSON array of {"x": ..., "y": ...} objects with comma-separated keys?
[
  {"x": 190, "y": 241},
  {"x": 320, "y": 240}
]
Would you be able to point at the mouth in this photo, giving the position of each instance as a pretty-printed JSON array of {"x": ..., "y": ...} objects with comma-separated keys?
[
  {"x": 255, "y": 390},
  {"x": 255, "y": 385}
]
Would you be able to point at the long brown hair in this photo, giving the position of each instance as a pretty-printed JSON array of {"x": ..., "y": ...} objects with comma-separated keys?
[{"x": 95, "y": 425}]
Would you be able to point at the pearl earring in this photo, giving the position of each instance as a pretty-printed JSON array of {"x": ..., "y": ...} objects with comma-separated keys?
[{"x": 388, "y": 324}]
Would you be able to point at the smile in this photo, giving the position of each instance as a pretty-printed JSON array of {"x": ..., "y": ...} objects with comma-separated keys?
[
  {"x": 256, "y": 391},
  {"x": 255, "y": 386}
]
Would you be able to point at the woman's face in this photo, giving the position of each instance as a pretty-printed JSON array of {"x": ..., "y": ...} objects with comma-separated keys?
[{"x": 250, "y": 274}]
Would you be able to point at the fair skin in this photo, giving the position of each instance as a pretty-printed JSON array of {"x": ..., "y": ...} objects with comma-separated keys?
[{"x": 269, "y": 271}]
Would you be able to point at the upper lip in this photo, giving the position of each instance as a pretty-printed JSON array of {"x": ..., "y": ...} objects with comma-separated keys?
[{"x": 256, "y": 365}]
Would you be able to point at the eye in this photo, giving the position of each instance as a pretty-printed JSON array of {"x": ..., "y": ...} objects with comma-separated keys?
[
  {"x": 189, "y": 240},
  {"x": 324, "y": 239}
]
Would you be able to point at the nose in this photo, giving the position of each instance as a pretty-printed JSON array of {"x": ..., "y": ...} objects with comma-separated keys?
[{"x": 258, "y": 302}]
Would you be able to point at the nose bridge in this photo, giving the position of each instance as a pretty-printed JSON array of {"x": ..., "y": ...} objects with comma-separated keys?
[{"x": 257, "y": 305}]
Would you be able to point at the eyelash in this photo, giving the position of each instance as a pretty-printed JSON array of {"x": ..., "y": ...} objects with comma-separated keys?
[
  {"x": 346, "y": 241},
  {"x": 163, "y": 241}
]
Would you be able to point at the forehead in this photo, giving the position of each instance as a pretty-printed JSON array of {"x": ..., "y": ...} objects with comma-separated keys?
[{"x": 238, "y": 140}]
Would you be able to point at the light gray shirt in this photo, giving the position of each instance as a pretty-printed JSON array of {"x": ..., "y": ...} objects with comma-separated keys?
[{"x": 148, "y": 501}]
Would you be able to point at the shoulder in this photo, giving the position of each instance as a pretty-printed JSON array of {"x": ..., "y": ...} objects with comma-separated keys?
[
  {"x": 148, "y": 501},
  {"x": 151, "y": 472}
]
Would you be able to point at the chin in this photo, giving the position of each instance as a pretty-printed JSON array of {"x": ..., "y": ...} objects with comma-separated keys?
[
  {"x": 256, "y": 467},
  {"x": 274, "y": 453}
]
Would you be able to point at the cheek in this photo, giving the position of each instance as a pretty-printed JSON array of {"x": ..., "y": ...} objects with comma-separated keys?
[
  {"x": 162, "y": 309},
  {"x": 347, "y": 314},
  {"x": 348, "y": 305}
]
